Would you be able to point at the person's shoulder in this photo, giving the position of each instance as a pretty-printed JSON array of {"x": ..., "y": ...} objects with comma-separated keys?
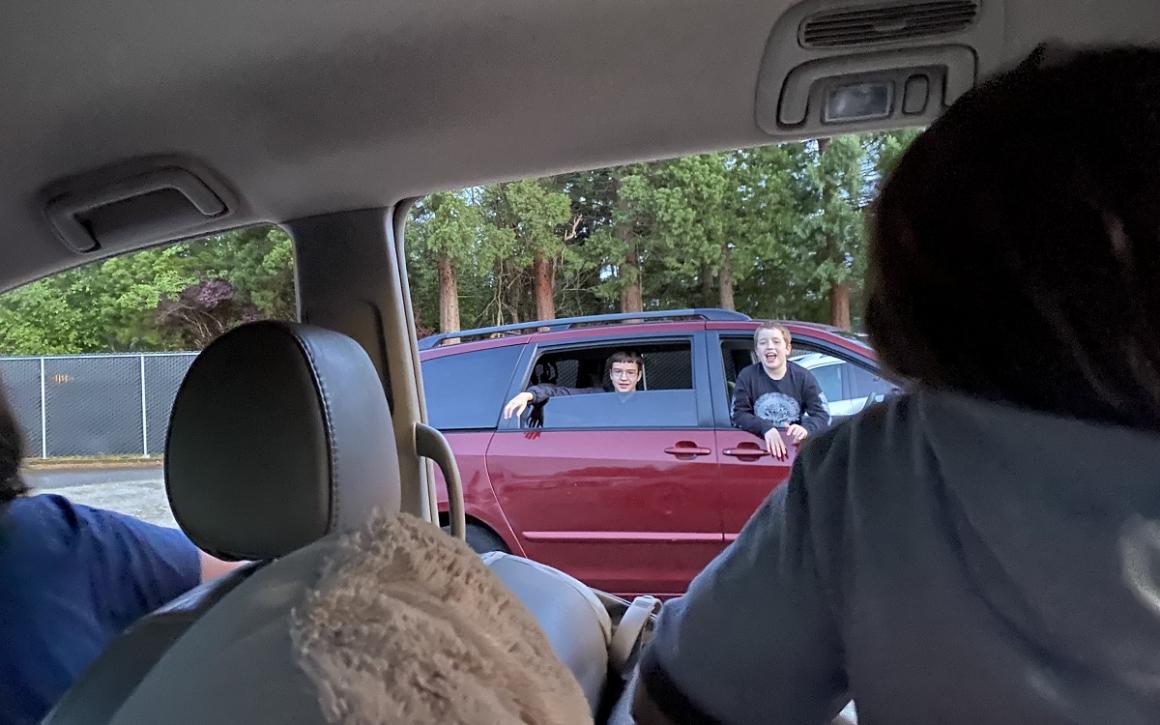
[
  {"x": 798, "y": 370},
  {"x": 43, "y": 511},
  {"x": 860, "y": 441},
  {"x": 40, "y": 528},
  {"x": 749, "y": 372},
  {"x": 73, "y": 526}
]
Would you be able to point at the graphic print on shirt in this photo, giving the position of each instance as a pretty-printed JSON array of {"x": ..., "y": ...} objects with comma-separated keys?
[{"x": 778, "y": 408}]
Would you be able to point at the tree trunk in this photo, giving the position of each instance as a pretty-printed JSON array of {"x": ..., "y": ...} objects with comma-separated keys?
[
  {"x": 448, "y": 295},
  {"x": 725, "y": 278},
  {"x": 544, "y": 286},
  {"x": 840, "y": 305},
  {"x": 839, "y": 291},
  {"x": 706, "y": 284},
  {"x": 631, "y": 299}
]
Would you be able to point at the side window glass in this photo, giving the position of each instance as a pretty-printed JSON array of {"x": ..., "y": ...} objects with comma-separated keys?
[
  {"x": 848, "y": 387},
  {"x": 829, "y": 372},
  {"x": 668, "y": 370},
  {"x": 584, "y": 397},
  {"x": 864, "y": 383},
  {"x": 736, "y": 355},
  {"x": 642, "y": 409},
  {"x": 91, "y": 358},
  {"x": 466, "y": 391},
  {"x": 829, "y": 376}
]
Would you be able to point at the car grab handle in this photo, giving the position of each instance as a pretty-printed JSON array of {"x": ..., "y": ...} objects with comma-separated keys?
[{"x": 430, "y": 443}]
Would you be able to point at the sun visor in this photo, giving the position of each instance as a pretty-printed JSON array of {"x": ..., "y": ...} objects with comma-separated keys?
[{"x": 837, "y": 66}]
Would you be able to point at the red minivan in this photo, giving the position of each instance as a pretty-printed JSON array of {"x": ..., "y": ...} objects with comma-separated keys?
[{"x": 631, "y": 496}]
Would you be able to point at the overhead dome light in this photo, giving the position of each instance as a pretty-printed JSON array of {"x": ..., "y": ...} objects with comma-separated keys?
[{"x": 858, "y": 102}]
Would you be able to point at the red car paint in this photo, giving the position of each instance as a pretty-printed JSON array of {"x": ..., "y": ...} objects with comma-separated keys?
[{"x": 629, "y": 511}]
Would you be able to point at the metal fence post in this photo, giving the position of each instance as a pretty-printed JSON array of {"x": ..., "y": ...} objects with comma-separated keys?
[
  {"x": 43, "y": 415},
  {"x": 144, "y": 413}
]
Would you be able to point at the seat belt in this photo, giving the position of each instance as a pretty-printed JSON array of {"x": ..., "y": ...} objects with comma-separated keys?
[{"x": 627, "y": 637}]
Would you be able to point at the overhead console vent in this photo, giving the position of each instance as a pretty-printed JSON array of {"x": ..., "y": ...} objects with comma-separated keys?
[{"x": 857, "y": 26}]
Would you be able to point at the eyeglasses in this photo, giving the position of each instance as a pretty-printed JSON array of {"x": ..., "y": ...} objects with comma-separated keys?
[{"x": 623, "y": 374}]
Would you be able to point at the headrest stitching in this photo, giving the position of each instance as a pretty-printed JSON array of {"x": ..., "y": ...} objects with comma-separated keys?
[{"x": 333, "y": 492}]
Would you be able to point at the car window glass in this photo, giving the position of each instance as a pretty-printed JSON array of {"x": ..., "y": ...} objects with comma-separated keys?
[
  {"x": 827, "y": 369},
  {"x": 92, "y": 357},
  {"x": 829, "y": 377},
  {"x": 668, "y": 369},
  {"x": 865, "y": 383},
  {"x": 642, "y": 409},
  {"x": 664, "y": 396},
  {"x": 667, "y": 366},
  {"x": 454, "y": 405}
]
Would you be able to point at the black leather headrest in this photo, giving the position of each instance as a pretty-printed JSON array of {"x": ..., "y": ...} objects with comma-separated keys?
[{"x": 280, "y": 434}]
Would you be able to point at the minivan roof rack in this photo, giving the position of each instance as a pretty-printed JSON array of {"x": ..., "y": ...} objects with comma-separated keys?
[{"x": 523, "y": 328}]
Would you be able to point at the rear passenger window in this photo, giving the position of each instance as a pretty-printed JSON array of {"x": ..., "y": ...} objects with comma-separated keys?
[
  {"x": 466, "y": 391},
  {"x": 643, "y": 409},
  {"x": 667, "y": 366},
  {"x": 663, "y": 398}
]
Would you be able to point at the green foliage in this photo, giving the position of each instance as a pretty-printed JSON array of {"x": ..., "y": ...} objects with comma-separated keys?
[
  {"x": 113, "y": 305},
  {"x": 778, "y": 224}
]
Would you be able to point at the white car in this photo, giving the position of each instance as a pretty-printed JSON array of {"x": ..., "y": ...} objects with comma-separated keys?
[{"x": 848, "y": 388}]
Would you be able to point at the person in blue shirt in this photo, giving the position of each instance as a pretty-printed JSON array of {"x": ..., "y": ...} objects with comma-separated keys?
[{"x": 72, "y": 578}]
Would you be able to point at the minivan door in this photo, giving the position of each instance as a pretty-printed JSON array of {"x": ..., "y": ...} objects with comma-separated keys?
[
  {"x": 748, "y": 473},
  {"x": 618, "y": 490}
]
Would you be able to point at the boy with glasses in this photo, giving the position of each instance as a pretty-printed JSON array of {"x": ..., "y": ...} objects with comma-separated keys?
[{"x": 624, "y": 370}]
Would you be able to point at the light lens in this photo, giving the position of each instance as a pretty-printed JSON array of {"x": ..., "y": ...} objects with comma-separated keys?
[{"x": 859, "y": 102}]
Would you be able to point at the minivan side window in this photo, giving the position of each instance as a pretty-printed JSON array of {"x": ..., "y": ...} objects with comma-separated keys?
[
  {"x": 864, "y": 383},
  {"x": 466, "y": 391},
  {"x": 829, "y": 377},
  {"x": 848, "y": 386},
  {"x": 664, "y": 398}
]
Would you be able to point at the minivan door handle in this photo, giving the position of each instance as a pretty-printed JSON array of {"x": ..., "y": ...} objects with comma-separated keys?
[
  {"x": 746, "y": 452},
  {"x": 687, "y": 449}
]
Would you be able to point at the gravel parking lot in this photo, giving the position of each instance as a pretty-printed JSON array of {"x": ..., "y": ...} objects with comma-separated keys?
[{"x": 137, "y": 491}]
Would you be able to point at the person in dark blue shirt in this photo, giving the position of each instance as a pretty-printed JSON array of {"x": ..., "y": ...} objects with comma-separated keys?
[
  {"x": 774, "y": 396},
  {"x": 72, "y": 578}
]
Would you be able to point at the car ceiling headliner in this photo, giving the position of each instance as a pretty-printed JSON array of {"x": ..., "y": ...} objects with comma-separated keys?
[{"x": 310, "y": 107}]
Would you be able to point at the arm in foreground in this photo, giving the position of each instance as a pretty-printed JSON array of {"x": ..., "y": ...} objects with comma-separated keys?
[{"x": 755, "y": 638}]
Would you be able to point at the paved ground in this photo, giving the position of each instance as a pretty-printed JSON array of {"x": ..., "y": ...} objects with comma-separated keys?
[{"x": 135, "y": 491}]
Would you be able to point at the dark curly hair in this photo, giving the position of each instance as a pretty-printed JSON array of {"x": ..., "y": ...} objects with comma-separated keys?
[
  {"x": 1015, "y": 250},
  {"x": 11, "y": 453}
]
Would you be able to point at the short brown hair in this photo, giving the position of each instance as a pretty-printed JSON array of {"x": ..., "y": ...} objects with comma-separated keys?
[
  {"x": 1015, "y": 251},
  {"x": 623, "y": 356},
  {"x": 771, "y": 325}
]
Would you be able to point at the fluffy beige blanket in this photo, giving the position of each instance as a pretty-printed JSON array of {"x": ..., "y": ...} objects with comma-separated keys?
[{"x": 406, "y": 625}]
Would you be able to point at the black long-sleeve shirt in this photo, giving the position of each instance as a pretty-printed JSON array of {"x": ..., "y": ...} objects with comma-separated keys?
[
  {"x": 761, "y": 403},
  {"x": 541, "y": 393}
]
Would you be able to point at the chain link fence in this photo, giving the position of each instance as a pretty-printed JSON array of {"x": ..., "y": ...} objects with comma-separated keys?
[{"x": 94, "y": 405}]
